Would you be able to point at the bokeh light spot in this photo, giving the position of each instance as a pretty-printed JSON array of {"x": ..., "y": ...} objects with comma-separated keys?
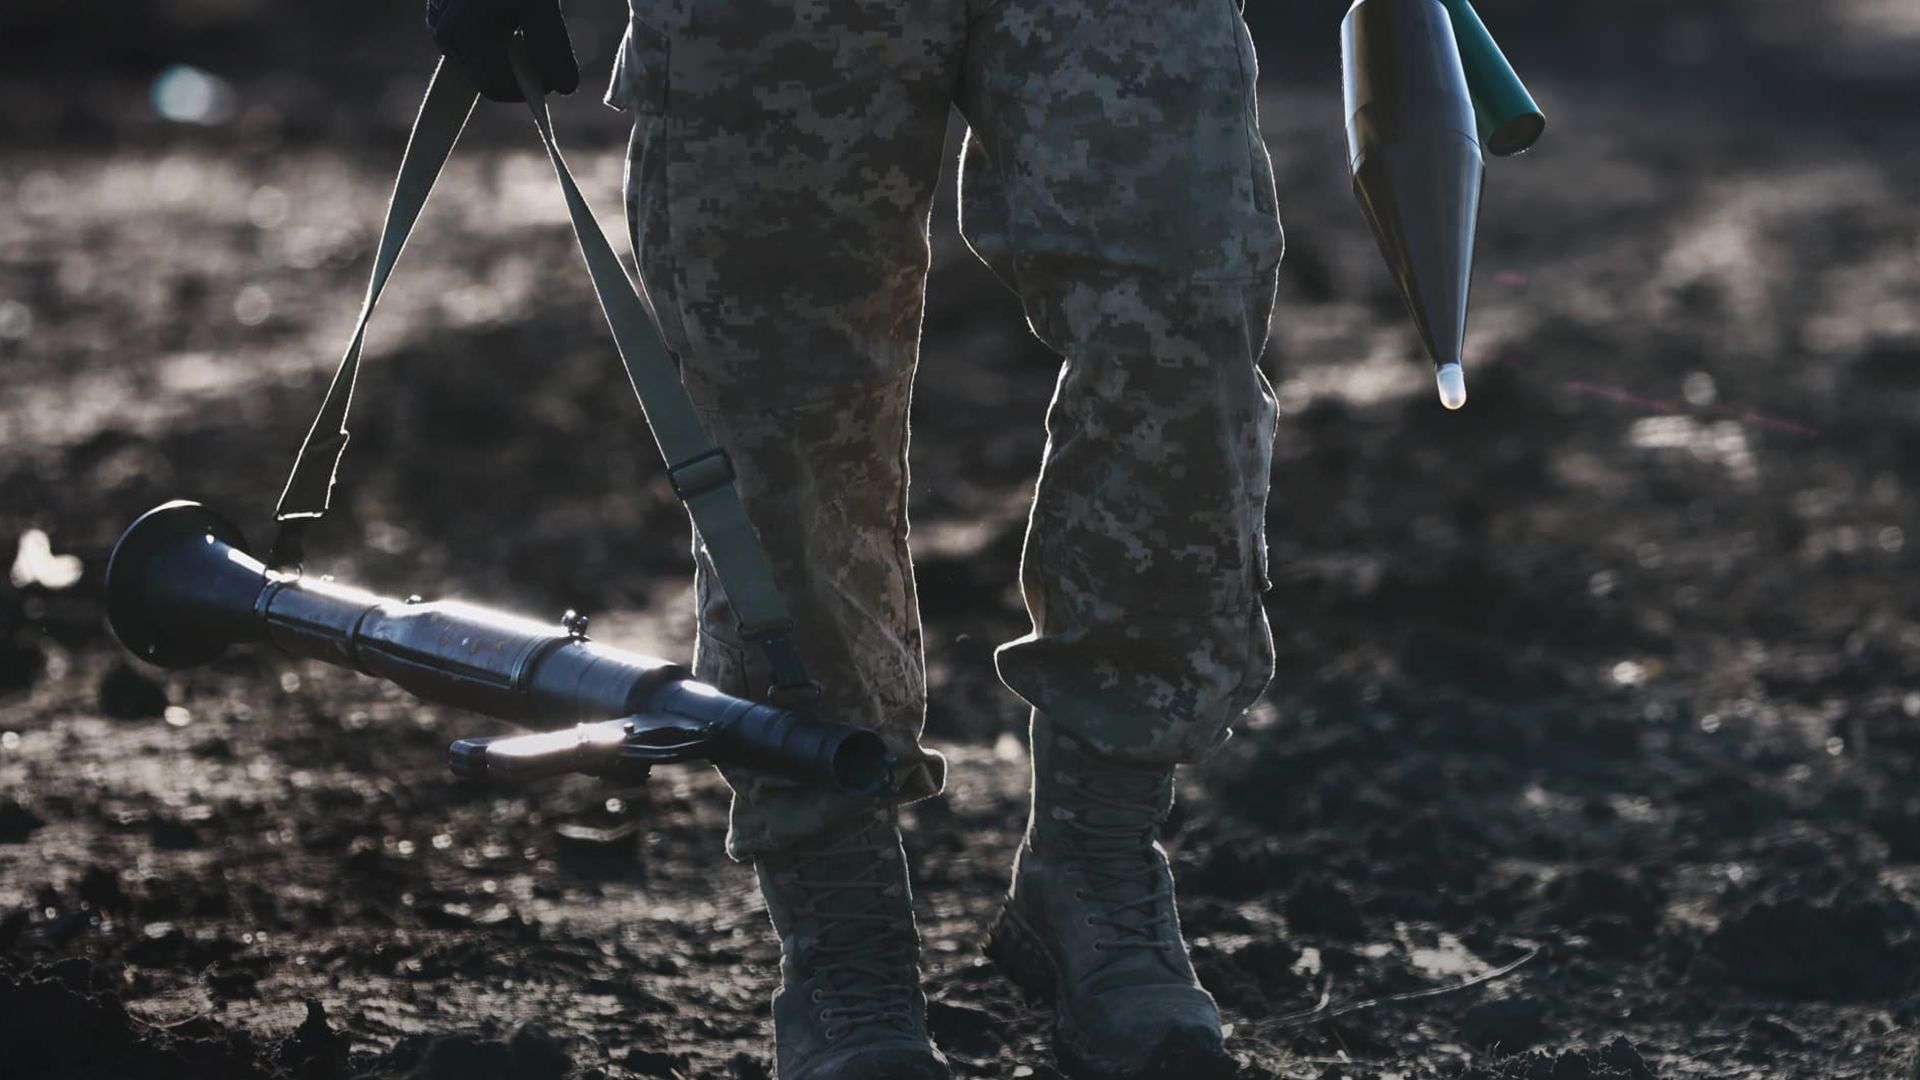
[
  {"x": 188, "y": 95},
  {"x": 253, "y": 306}
]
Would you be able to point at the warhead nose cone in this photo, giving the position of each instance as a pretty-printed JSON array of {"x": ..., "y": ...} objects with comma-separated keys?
[
  {"x": 1414, "y": 149},
  {"x": 1422, "y": 198},
  {"x": 1452, "y": 380}
]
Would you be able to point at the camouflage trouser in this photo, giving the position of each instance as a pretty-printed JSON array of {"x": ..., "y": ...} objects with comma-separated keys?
[{"x": 779, "y": 186}]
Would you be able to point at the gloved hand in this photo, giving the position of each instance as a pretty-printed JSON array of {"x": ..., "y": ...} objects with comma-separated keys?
[{"x": 474, "y": 35}]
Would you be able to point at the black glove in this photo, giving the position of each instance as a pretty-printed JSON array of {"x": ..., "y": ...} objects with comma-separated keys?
[{"x": 474, "y": 35}]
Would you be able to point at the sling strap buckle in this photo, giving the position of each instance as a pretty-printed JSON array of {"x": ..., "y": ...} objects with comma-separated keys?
[
  {"x": 701, "y": 474},
  {"x": 789, "y": 687}
]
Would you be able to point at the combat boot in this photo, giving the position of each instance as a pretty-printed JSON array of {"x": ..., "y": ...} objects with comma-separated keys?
[
  {"x": 849, "y": 1005},
  {"x": 1090, "y": 925}
]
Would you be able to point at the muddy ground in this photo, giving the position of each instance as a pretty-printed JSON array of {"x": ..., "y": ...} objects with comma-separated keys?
[{"x": 1616, "y": 673}]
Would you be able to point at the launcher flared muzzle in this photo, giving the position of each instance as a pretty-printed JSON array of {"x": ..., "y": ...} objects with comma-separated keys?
[{"x": 181, "y": 589}]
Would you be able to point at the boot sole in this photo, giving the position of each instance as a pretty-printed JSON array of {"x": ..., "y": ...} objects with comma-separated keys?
[
  {"x": 1185, "y": 1054},
  {"x": 902, "y": 1064}
]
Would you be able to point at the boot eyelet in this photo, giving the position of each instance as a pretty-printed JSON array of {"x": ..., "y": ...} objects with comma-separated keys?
[
  {"x": 1080, "y": 895},
  {"x": 815, "y": 996},
  {"x": 833, "y": 1033}
]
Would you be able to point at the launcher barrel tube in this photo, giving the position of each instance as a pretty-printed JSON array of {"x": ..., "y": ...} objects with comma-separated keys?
[
  {"x": 181, "y": 588},
  {"x": 459, "y": 654}
]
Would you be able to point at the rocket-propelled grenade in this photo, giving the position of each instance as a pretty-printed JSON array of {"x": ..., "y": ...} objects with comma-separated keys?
[
  {"x": 1425, "y": 83},
  {"x": 1414, "y": 149},
  {"x": 181, "y": 588}
]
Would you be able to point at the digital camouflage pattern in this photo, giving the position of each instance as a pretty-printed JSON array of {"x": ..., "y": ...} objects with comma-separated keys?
[{"x": 779, "y": 185}]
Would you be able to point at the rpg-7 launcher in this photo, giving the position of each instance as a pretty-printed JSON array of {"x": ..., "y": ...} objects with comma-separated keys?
[{"x": 182, "y": 588}]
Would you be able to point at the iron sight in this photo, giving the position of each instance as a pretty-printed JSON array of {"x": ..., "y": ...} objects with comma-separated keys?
[{"x": 181, "y": 589}]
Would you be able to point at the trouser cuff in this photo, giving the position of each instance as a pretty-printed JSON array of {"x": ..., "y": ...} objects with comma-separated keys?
[{"x": 772, "y": 814}]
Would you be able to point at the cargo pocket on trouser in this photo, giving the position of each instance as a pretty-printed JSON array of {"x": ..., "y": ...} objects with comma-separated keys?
[
  {"x": 985, "y": 223},
  {"x": 641, "y": 83},
  {"x": 640, "y": 69},
  {"x": 1260, "y": 163}
]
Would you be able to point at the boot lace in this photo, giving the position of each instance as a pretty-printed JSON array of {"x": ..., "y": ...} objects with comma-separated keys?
[
  {"x": 851, "y": 891},
  {"x": 1114, "y": 824}
]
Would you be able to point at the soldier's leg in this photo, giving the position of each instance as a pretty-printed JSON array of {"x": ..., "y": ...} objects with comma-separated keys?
[
  {"x": 1115, "y": 176},
  {"x": 779, "y": 184},
  {"x": 779, "y": 187}
]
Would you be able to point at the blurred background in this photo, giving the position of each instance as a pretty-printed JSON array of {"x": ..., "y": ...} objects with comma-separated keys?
[{"x": 1616, "y": 672}]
